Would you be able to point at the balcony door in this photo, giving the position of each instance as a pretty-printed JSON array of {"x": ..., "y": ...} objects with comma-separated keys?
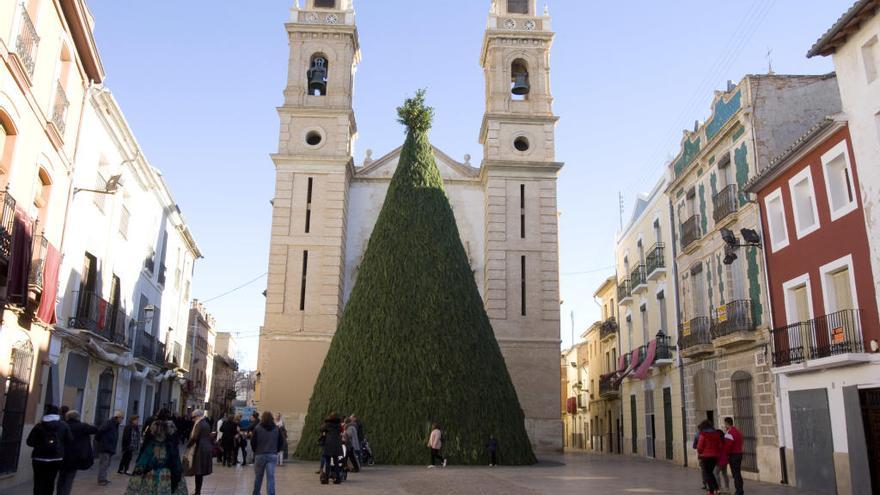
[{"x": 841, "y": 296}]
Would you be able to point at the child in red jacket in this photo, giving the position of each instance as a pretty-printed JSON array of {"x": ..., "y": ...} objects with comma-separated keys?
[{"x": 710, "y": 446}]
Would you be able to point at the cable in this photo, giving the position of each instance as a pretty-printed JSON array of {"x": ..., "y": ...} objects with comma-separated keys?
[
  {"x": 236, "y": 289},
  {"x": 588, "y": 271}
]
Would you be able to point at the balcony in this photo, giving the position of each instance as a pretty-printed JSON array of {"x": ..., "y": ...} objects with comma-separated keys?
[
  {"x": 27, "y": 42},
  {"x": 824, "y": 342},
  {"x": 694, "y": 337},
  {"x": 732, "y": 324},
  {"x": 725, "y": 203},
  {"x": 690, "y": 231},
  {"x": 59, "y": 111},
  {"x": 638, "y": 281},
  {"x": 38, "y": 264},
  {"x": 608, "y": 329},
  {"x": 655, "y": 263},
  {"x": 609, "y": 387},
  {"x": 663, "y": 355},
  {"x": 145, "y": 347},
  {"x": 7, "y": 222},
  {"x": 98, "y": 316},
  {"x": 624, "y": 292}
]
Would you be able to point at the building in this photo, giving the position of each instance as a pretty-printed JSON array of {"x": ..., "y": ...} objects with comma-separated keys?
[
  {"x": 853, "y": 44},
  {"x": 325, "y": 207},
  {"x": 199, "y": 357},
  {"x": 49, "y": 62},
  {"x": 723, "y": 302},
  {"x": 223, "y": 373},
  {"x": 606, "y": 427},
  {"x": 648, "y": 372},
  {"x": 575, "y": 420},
  {"x": 824, "y": 309}
]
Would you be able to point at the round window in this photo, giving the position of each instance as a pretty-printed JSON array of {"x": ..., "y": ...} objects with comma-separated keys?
[
  {"x": 521, "y": 143},
  {"x": 314, "y": 138}
]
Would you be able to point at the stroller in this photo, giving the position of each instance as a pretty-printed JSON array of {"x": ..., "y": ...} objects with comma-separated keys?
[{"x": 366, "y": 454}]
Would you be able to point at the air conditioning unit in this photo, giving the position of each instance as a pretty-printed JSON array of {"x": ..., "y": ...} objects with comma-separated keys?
[{"x": 760, "y": 359}]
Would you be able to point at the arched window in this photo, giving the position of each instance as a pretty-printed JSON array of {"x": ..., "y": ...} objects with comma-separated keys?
[
  {"x": 744, "y": 418},
  {"x": 61, "y": 103},
  {"x": 105, "y": 396},
  {"x": 520, "y": 85},
  {"x": 317, "y": 75},
  {"x": 15, "y": 406},
  {"x": 42, "y": 192},
  {"x": 8, "y": 136}
]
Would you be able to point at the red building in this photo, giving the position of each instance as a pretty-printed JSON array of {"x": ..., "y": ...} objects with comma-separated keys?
[{"x": 822, "y": 296}]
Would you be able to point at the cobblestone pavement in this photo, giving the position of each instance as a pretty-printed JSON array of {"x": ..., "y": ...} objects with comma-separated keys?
[{"x": 557, "y": 475}]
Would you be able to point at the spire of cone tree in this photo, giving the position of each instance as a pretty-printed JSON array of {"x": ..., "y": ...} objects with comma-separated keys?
[{"x": 414, "y": 345}]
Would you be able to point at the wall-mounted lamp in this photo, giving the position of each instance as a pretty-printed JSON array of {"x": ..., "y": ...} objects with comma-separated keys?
[{"x": 112, "y": 187}]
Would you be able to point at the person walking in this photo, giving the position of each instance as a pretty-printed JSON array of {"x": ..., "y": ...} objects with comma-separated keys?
[
  {"x": 78, "y": 456},
  {"x": 353, "y": 443},
  {"x": 266, "y": 443},
  {"x": 282, "y": 454},
  {"x": 49, "y": 439},
  {"x": 435, "y": 443},
  {"x": 709, "y": 446},
  {"x": 131, "y": 443},
  {"x": 158, "y": 470},
  {"x": 720, "y": 471},
  {"x": 734, "y": 453},
  {"x": 331, "y": 442},
  {"x": 492, "y": 448},
  {"x": 228, "y": 432},
  {"x": 105, "y": 442},
  {"x": 200, "y": 441}
]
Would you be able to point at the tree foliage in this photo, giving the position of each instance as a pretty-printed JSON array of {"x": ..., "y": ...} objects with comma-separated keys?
[{"x": 414, "y": 344}]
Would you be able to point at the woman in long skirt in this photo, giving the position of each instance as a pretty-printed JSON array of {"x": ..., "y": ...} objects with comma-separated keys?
[{"x": 158, "y": 470}]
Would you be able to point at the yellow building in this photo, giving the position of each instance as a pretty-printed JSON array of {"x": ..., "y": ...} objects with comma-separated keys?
[
  {"x": 602, "y": 342},
  {"x": 648, "y": 371}
]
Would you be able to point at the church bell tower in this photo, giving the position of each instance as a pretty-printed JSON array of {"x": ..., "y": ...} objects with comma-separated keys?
[
  {"x": 519, "y": 174},
  {"x": 313, "y": 171}
]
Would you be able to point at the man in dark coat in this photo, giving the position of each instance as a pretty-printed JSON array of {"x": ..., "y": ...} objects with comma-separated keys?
[
  {"x": 131, "y": 442},
  {"x": 105, "y": 443},
  {"x": 49, "y": 438},
  {"x": 331, "y": 438},
  {"x": 78, "y": 456}
]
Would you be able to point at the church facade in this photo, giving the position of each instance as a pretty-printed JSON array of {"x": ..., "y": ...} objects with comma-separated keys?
[{"x": 326, "y": 205}]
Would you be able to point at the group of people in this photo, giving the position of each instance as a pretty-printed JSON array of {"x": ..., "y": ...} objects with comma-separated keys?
[
  {"x": 718, "y": 449},
  {"x": 233, "y": 434},
  {"x": 436, "y": 440},
  {"x": 344, "y": 448}
]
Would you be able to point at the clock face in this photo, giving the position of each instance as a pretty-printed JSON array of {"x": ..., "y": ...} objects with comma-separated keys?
[
  {"x": 530, "y": 25},
  {"x": 312, "y": 17},
  {"x": 332, "y": 19},
  {"x": 510, "y": 24}
]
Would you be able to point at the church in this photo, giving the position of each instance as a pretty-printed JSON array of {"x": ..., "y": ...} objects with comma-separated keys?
[{"x": 326, "y": 205}]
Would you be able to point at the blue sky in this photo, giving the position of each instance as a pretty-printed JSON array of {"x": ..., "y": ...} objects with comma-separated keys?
[{"x": 199, "y": 82}]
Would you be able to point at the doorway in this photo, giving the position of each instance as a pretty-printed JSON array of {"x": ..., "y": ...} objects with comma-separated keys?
[
  {"x": 870, "y": 401},
  {"x": 15, "y": 405},
  {"x": 650, "y": 430},
  {"x": 812, "y": 442},
  {"x": 667, "y": 421}
]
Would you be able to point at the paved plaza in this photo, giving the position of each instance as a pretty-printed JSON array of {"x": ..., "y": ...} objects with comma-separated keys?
[{"x": 557, "y": 475}]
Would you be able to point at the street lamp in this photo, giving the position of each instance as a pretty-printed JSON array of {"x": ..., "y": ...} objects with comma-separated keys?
[{"x": 731, "y": 241}]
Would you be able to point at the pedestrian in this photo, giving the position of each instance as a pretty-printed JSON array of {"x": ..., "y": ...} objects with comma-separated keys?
[
  {"x": 49, "y": 438},
  {"x": 331, "y": 442},
  {"x": 734, "y": 454},
  {"x": 105, "y": 443},
  {"x": 131, "y": 443},
  {"x": 709, "y": 448},
  {"x": 435, "y": 443},
  {"x": 282, "y": 454},
  {"x": 229, "y": 432},
  {"x": 255, "y": 420},
  {"x": 492, "y": 448},
  {"x": 219, "y": 453},
  {"x": 266, "y": 443},
  {"x": 78, "y": 456},
  {"x": 721, "y": 467},
  {"x": 353, "y": 444},
  {"x": 202, "y": 449},
  {"x": 158, "y": 470}
]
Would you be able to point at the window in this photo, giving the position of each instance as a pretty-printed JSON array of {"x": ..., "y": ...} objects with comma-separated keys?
[
  {"x": 522, "y": 211},
  {"x": 317, "y": 76},
  {"x": 643, "y": 310},
  {"x": 744, "y": 416},
  {"x": 523, "y": 285},
  {"x": 661, "y": 303},
  {"x": 42, "y": 192},
  {"x": 7, "y": 140},
  {"x": 698, "y": 291},
  {"x": 838, "y": 285},
  {"x": 520, "y": 86},
  {"x": 518, "y": 6},
  {"x": 798, "y": 300},
  {"x": 803, "y": 198},
  {"x": 871, "y": 57},
  {"x": 734, "y": 285},
  {"x": 302, "y": 290},
  {"x": 309, "y": 204},
  {"x": 839, "y": 181},
  {"x": 325, "y": 4},
  {"x": 100, "y": 199},
  {"x": 124, "y": 217},
  {"x": 775, "y": 209}
]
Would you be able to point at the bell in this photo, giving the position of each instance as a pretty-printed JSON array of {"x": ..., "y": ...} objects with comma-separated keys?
[
  {"x": 318, "y": 77},
  {"x": 521, "y": 85}
]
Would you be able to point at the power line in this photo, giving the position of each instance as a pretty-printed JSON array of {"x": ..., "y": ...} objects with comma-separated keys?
[
  {"x": 588, "y": 271},
  {"x": 236, "y": 289}
]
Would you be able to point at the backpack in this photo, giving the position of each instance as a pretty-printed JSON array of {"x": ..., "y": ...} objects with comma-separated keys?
[{"x": 49, "y": 445}]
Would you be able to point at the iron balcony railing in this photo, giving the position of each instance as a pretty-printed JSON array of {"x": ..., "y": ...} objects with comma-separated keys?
[
  {"x": 829, "y": 335},
  {"x": 725, "y": 203},
  {"x": 145, "y": 347},
  {"x": 7, "y": 222},
  {"x": 690, "y": 231},
  {"x": 609, "y": 327},
  {"x": 664, "y": 347},
  {"x": 624, "y": 290},
  {"x": 27, "y": 42},
  {"x": 38, "y": 263},
  {"x": 694, "y": 332},
  {"x": 100, "y": 317},
  {"x": 59, "y": 111},
  {"x": 637, "y": 278},
  {"x": 735, "y": 316},
  {"x": 161, "y": 356},
  {"x": 655, "y": 260},
  {"x": 608, "y": 386}
]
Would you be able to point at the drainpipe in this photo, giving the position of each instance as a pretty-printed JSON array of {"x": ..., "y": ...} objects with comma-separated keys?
[{"x": 684, "y": 432}]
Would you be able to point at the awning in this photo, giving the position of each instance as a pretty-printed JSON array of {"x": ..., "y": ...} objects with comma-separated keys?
[{"x": 642, "y": 372}]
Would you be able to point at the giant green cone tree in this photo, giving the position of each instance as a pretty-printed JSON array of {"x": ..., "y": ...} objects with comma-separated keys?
[{"x": 415, "y": 344}]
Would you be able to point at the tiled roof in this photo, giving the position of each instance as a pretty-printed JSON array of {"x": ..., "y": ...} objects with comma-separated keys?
[{"x": 837, "y": 34}]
